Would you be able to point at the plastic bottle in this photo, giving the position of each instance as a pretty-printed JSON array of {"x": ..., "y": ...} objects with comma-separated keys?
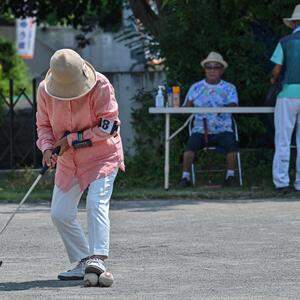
[
  {"x": 176, "y": 96},
  {"x": 169, "y": 97},
  {"x": 159, "y": 99}
]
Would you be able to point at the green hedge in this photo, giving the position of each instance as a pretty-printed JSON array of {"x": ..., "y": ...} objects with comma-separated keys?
[{"x": 12, "y": 66}]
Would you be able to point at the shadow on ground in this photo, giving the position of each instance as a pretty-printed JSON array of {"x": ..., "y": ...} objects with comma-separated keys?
[
  {"x": 27, "y": 285},
  {"x": 150, "y": 205}
]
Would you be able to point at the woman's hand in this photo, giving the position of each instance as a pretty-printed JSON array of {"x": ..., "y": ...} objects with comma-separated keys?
[
  {"x": 49, "y": 159},
  {"x": 63, "y": 144}
]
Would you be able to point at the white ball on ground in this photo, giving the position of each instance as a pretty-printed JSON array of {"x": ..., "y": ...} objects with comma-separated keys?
[
  {"x": 106, "y": 279},
  {"x": 90, "y": 279}
]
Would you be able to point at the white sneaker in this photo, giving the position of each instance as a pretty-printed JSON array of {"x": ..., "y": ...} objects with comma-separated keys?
[
  {"x": 75, "y": 274},
  {"x": 95, "y": 265}
]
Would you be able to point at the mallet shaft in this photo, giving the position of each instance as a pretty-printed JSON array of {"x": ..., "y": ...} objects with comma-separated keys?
[{"x": 23, "y": 200}]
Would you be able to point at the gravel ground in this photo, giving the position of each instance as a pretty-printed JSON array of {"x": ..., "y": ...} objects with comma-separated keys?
[{"x": 163, "y": 250}]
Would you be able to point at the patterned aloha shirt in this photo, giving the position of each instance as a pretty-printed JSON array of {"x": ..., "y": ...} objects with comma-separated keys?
[{"x": 203, "y": 94}]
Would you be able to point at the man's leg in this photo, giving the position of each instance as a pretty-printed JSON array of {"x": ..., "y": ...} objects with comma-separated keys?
[
  {"x": 227, "y": 144},
  {"x": 195, "y": 143},
  {"x": 188, "y": 158},
  {"x": 231, "y": 163},
  {"x": 284, "y": 118},
  {"x": 297, "y": 180}
]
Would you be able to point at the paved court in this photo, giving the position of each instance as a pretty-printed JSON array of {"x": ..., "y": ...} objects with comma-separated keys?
[{"x": 164, "y": 250}]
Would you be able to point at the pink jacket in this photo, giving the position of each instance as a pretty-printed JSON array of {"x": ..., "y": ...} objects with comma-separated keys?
[{"x": 55, "y": 117}]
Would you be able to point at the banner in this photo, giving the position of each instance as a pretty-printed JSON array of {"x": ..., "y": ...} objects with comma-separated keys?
[{"x": 25, "y": 37}]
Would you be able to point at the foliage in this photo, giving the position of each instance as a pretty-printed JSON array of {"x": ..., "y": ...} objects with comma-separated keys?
[
  {"x": 86, "y": 14},
  {"x": 12, "y": 66},
  {"x": 244, "y": 32},
  {"x": 148, "y": 141}
]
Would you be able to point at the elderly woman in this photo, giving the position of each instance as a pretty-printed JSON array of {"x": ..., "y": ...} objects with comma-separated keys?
[{"x": 77, "y": 111}]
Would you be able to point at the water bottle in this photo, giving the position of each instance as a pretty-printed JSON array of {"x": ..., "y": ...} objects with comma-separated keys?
[{"x": 159, "y": 99}]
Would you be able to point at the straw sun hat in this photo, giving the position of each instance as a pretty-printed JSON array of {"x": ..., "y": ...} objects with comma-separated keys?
[
  {"x": 69, "y": 76},
  {"x": 295, "y": 17},
  {"x": 214, "y": 57}
]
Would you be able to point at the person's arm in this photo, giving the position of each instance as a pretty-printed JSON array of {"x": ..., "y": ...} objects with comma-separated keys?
[
  {"x": 44, "y": 129},
  {"x": 276, "y": 74},
  {"x": 46, "y": 139},
  {"x": 189, "y": 102},
  {"x": 106, "y": 110},
  {"x": 278, "y": 59},
  {"x": 232, "y": 98}
]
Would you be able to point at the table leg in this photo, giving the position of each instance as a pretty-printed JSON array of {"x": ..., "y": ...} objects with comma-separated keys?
[{"x": 167, "y": 152}]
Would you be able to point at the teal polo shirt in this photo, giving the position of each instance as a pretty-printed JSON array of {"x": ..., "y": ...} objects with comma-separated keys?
[{"x": 288, "y": 90}]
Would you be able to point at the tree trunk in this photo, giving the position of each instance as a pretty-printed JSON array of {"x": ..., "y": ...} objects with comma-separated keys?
[{"x": 142, "y": 11}]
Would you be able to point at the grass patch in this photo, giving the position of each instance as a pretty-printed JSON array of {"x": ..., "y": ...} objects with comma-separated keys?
[
  {"x": 198, "y": 193},
  {"x": 14, "y": 185},
  {"x": 17, "y": 196},
  {"x": 202, "y": 193}
]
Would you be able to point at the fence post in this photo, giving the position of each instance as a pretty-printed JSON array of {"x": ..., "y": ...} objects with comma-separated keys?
[
  {"x": 33, "y": 121},
  {"x": 11, "y": 120}
]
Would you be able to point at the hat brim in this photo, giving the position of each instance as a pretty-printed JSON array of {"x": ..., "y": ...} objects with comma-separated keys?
[
  {"x": 289, "y": 21},
  {"x": 74, "y": 90},
  {"x": 222, "y": 62}
]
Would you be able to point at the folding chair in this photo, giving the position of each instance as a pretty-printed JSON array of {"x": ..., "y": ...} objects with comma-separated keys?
[{"x": 235, "y": 130}]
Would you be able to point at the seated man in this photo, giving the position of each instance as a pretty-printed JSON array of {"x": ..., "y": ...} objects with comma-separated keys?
[{"x": 211, "y": 129}]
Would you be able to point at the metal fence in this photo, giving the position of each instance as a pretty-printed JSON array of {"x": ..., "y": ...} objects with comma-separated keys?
[{"x": 17, "y": 128}]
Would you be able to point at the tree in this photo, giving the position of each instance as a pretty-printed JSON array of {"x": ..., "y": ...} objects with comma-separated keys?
[
  {"x": 149, "y": 15},
  {"x": 85, "y": 14}
]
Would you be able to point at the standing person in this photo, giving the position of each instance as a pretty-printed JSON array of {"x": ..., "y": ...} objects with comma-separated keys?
[
  {"x": 287, "y": 110},
  {"x": 211, "y": 129},
  {"x": 75, "y": 98}
]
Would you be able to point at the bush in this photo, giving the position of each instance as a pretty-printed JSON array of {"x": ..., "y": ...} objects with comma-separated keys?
[{"x": 12, "y": 66}]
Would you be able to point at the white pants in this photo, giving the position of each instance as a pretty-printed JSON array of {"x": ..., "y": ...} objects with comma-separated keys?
[
  {"x": 287, "y": 115},
  {"x": 64, "y": 215}
]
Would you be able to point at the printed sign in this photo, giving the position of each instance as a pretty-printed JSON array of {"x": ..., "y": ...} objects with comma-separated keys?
[{"x": 25, "y": 37}]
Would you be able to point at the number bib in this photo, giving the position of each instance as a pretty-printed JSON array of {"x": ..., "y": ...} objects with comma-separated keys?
[{"x": 108, "y": 126}]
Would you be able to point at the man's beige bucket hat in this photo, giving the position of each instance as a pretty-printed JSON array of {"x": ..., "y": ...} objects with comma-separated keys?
[{"x": 214, "y": 57}]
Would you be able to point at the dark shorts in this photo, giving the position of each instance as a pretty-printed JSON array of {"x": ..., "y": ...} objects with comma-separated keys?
[{"x": 224, "y": 142}]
